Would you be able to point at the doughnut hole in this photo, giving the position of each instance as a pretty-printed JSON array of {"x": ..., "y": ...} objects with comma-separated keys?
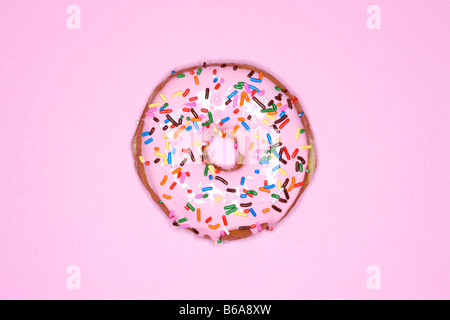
[{"x": 220, "y": 149}]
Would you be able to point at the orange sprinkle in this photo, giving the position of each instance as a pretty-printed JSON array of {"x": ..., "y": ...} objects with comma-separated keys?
[
  {"x": 264, "y": 190},
  {"x": 156, "y": 149},
  {"x": 214, "y": 227},
  {"x": 279, "y": 104},
  {"x": 272, "y": 113},
  {"x": 165, "y": 196},
  {"x": 241, "y": 102},
  {"x": 164, "y": 180},
  {"x": 178, "y": 131},
  {"x": 245, "y": 96},
  {"x": 241, "y": 119},
  {"x": 176, "y": 170},
  {"x": 265, "y": 210},
  {"x": 199, "y": 216},
  {"x": 292, "y": 184},
  {"x": 196, "y": 80},
  {"x": 260, "y": 76},
  {"x": 196, "y": 119}
]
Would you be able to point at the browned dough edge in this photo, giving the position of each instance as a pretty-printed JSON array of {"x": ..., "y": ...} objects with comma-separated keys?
[{"x": 136, "y": 144}]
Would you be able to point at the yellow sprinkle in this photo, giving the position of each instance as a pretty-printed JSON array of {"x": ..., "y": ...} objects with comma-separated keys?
[
  {"x": 297, "y": 134},
  {"x": 198, "y": 143},
  {"x": 218, "y": 198},
  {"x": 307, "y": 146},
  {"x": 256, "y": 136},
  {"x": 210, "y": 168},
  {"x": 164, "y": 136},
  {"x": 141, "y": 158},
  {"x": 282, "y": 172},
  {"x": 159, "y": 154},
  {"x": 279, "y": 184},
  {"x": 167, "y": 145},
  {"x": 251, "y": 146},
  {"x": 242, "y": 214},
  {"x": 163, "y": 97},
  {"x": 215, "y": 130},
  {"x": 270, "y": 117},
  {"x": 176, "y": 94},
  {"x": 154, "y": 104},
  {"x": 265, "y": 121}
]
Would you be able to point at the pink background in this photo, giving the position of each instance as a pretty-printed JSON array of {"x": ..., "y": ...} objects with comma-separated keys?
[{"x": 378, "y": 101}]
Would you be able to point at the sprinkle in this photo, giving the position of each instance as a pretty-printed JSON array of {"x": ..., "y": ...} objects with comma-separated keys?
[
  {"x": 242, "y": 214},
  {"x": 148, "y": 141},
  {"x": 282, "y": 172},
  {"x": 246, "y": 126},
  {"x": 163, "y": 97},
  {"x": 255, "y": 80},
  {"x": 276, "y": 208},
  {"x": 208, "y": 220},
  {"x": 264, "y": 190},
  {"x": 173, "y": 185},
  {"x": 307, "y": 146},
  {"x": 178, "y": 131},
  {"x": 154, "y": 104},
  {"x": 231, "y": 95},
  {"x": 224, "y": 219},
  {"x": 181, "y": 75},
  {"x": 214, "y": 227},
  {"x": 242, "y": 181},
  {"x": 231, "y": 190},
  {"x": 301, "y": 114},
  {"x": 176, "y": 94},
  {"x": 266, "y": 210},
  {"x": 190, "y": 206},
  {"x": 269, "y": 138},
  {"x": 218, "y": 198},
  {"x": 221, "y": 180},
  {"x": 276, "y": 168},
  {"x": 198, "y": 215},
  {"x": 207, "y": 189},
  {"x": 196, "y": 80},
  {"x": 141, "y": 158},
  {"x": 284, "y": 123},
  {"x": 165, "y": 196}
]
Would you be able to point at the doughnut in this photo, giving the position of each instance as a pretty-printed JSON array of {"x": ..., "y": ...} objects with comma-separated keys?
[{"x": 224, "y": 149}]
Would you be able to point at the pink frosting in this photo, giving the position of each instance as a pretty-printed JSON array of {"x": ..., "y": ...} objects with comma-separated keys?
[{"x": 200, "y": 201}]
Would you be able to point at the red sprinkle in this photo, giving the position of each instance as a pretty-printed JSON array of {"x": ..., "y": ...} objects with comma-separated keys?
[
  {"x": 298, "y": 184},
  {"x": 188, "y": 174},
  {"x": 173, "y": 185},
  {"x": 294, "y": 153},
  {"x": 166, "y": 111},
  {"x": 284, "y": 123},
  {"x": 186, "y": 207},
  {"x": 186, "y": 92},
  {"x": 253, "y": 92},
  {"x": 193, "y": 98},
  {"x": 217, "y": 86},
  {"x": 236, "y": 111},
  {"x": 147, "y": 163},
  {"x": 186, "y": 110},
  {"x": 179, "y": 174},
  {"x": 208, "y": 220},
  {"x": 191, "y": 72},
  {"x": 214, "y": 72},
  {"x": 189, "y": 190},
  {"x": 286, "y": 153},
  {"x": 224, "y": 218},
  {"x": 204, "y": 110}
]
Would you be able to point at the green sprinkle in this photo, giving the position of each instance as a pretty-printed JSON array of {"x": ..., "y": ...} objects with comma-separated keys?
[
  {"x": 275, "y": 196},
  {"x": 160, "y": 202},
  {"x": 205, "y": 173},
  {"x": 300, "y": 167},
  {"x": 199, "y": 71},
  {"x": 231, "y": 211},
  {"x": 277, "y": 88},
  {"x": 303, "y": 130},
  {"x": 182, "y": 220},
  {"x": 274, "y": 106},
  {"x": 188, "y": 118},
  {"x": 190, "y": 206},
  {"x": 238, "y": 87},
  {"x": 165, "y": 105},
  {"x": 241, "y": 83},
  {"x": 307, "y": 170},
  {"x": 230, "y": 206},
  {"x": 181, "y": 75},
  {"x": 252, "y": 192},
  {"x": 219, "y": 241},
  {"x": 205, "y": 196},
  {"x": 268, "y": 110}
]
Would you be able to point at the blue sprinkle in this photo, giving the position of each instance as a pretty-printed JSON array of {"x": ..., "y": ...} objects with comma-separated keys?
[
  {"x": 189, "y": 128},
  {"x": 225, "y": 119},
  {"x": 269, "y": 138},
  {"x": 253, "y": 88},
  {"x": 301, "y": 113},
  {"x": 264, "y": 161},
  {"x": 245, "y": 126},
  {"x": 146, "y": 133},
  {"x": 243, "y": 195},
  {"x": 255, "y": 80},
  {"x": 282, "y": 114},
  {"x": 174, "y": 150},
  {"x": 242, "y": 181},
  {"x": 276, "y": 153},
  {"x": 166, "y": 121},
  {"x": 210, "y": 177},
  {"x": 196, "y": 125},
  {"x": 276, "y": 168},
  {"x": 215, "y": 80},
  {"x": 253, "y": 212},
  {"x": 256, "y": 171},
  {"x": 169, "y": 158},
  {"x": 207, "y": 189},
  {"x": 271, "y": 186},
  {"x": 148, "y": 141},
  {"x": 173, "y": 71},
  {"x": 231, "y": 95}
]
